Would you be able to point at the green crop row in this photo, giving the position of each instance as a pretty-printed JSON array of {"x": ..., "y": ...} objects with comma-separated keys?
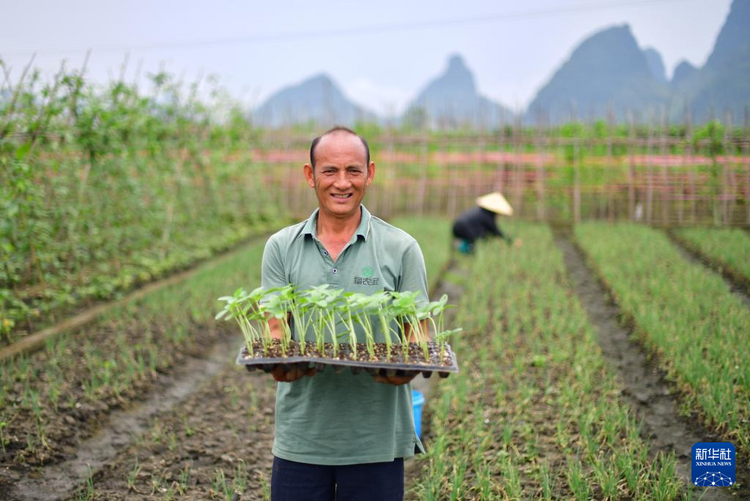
[
  {"x": 49, "y": 398},
  {"x": 684, "y": 313},
  {"x": 534, "y": 411},
  {"x": 725, "y": 248}
]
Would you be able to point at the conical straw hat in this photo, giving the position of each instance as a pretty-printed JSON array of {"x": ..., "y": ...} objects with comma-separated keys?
[{"x": 496, "y": 203}]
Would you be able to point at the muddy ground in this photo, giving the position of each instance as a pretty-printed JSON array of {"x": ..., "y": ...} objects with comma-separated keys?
[
  {"x": 79, "y": 415},
  {"x": 216, "y": 441}
]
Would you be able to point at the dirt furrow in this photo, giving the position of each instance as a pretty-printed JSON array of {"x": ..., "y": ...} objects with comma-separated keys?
[
  {"x": 215, "y": 442},
  {"x": 120, "y": 428},
  {"x": 644, "y": 385}
]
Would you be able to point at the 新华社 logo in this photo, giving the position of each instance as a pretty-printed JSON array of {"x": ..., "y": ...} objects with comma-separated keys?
[{"x": 713, "y": 464}]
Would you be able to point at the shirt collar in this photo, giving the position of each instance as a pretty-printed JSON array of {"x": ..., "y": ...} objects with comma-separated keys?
[{"x": 311, "y": 226}]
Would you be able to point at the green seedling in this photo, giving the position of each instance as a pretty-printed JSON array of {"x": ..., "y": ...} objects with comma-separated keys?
[
  {"x": 366, "y": 308},
  {"x": 300, "y": 308},
  {"x": 245, "y": 308},
  {"x": 277, "y": 307},
  {"x": 349, "y": 304},
  {"x": 323, "y": 310},
  {"x": 324, "y": 305},
  {"x": 133, "y": 476},
  {"x": 3, "y": 425},
  {"x": 404, "y": 309}
]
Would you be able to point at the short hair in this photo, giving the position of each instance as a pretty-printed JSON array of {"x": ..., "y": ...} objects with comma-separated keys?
[{"x": 338, "y": 128}]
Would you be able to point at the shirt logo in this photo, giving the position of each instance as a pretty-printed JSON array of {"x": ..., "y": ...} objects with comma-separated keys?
[{"x": 367, "y": 277}]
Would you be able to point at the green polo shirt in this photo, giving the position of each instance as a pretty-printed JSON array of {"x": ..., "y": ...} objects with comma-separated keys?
[{"x": 336, "y": 419}]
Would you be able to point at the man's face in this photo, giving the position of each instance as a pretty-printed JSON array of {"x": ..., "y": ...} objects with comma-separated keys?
[{"x": 341, "y": 175}]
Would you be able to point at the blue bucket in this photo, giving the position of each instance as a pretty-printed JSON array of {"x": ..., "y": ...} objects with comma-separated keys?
[{"x": 417, "y": 403}]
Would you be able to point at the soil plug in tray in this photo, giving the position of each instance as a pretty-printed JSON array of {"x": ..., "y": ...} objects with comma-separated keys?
[
  {"x": 441, "y": 358},
  {"x": 269, "y": 317}
]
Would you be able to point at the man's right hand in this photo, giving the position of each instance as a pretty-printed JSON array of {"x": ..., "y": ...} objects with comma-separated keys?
[{"x": 293, "y": 372}]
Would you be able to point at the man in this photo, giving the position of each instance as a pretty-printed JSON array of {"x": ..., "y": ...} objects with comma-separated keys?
[
  {"x": 342, "y": 436},
  {"x": 479, "y": 222}
]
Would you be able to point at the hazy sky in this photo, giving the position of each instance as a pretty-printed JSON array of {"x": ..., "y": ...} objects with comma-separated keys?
[{"x": 381, "y": 53}]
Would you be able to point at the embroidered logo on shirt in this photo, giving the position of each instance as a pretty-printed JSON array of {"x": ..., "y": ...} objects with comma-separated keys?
[{"x": 367, "y": 277}]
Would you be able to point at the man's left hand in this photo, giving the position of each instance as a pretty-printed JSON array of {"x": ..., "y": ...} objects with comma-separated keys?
[
  {"x": 395, "y": 379},
  {"x": 292, "y": 372}
]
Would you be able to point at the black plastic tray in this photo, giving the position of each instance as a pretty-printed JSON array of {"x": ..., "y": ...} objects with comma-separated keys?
[{"x": 267, "y": 364}]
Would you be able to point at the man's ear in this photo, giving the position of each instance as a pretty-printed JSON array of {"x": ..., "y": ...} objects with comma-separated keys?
[
  {"x": 370, "y": 173},
  {"x": 309, "y": 175}
]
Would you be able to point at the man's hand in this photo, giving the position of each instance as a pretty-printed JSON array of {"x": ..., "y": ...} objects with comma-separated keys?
[
  {"x": 292, "y": 372},
  {"x": 286, "y": 373},
  {"x": 397, "y": 379}
]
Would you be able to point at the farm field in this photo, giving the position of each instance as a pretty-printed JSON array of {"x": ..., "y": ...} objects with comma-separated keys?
[{"x": 537, "y": 410}]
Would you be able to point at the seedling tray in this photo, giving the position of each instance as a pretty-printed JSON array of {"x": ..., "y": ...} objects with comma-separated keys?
[{"x": 345, "y": 359}]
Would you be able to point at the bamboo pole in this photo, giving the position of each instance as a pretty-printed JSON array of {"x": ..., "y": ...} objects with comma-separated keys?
[
  {"x": 666, "y": 189},
  {"x": 609, "y": 166},
  {"x": 682, "y": 170},
  {"x": 423, "y": 167},
  {"x": 693, "y": 167},
  {"x": 453, "y": 192},
  {"x": 540, "y": 189},
  {"x": 631, "y": 167},
  {"x": 517, "y": 167},
  {"x": 746, "y": 154},
  {"x": 499, "y": 180},
  {"x": 725, "y": 169},
  {"x": 389, "y": 184},
  {"x": 576, "y": 174},
  {"x": 649, "y": 168}
]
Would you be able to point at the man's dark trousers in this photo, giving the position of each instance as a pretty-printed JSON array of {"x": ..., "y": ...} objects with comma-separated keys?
[{"x": 292, "y": 481}]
